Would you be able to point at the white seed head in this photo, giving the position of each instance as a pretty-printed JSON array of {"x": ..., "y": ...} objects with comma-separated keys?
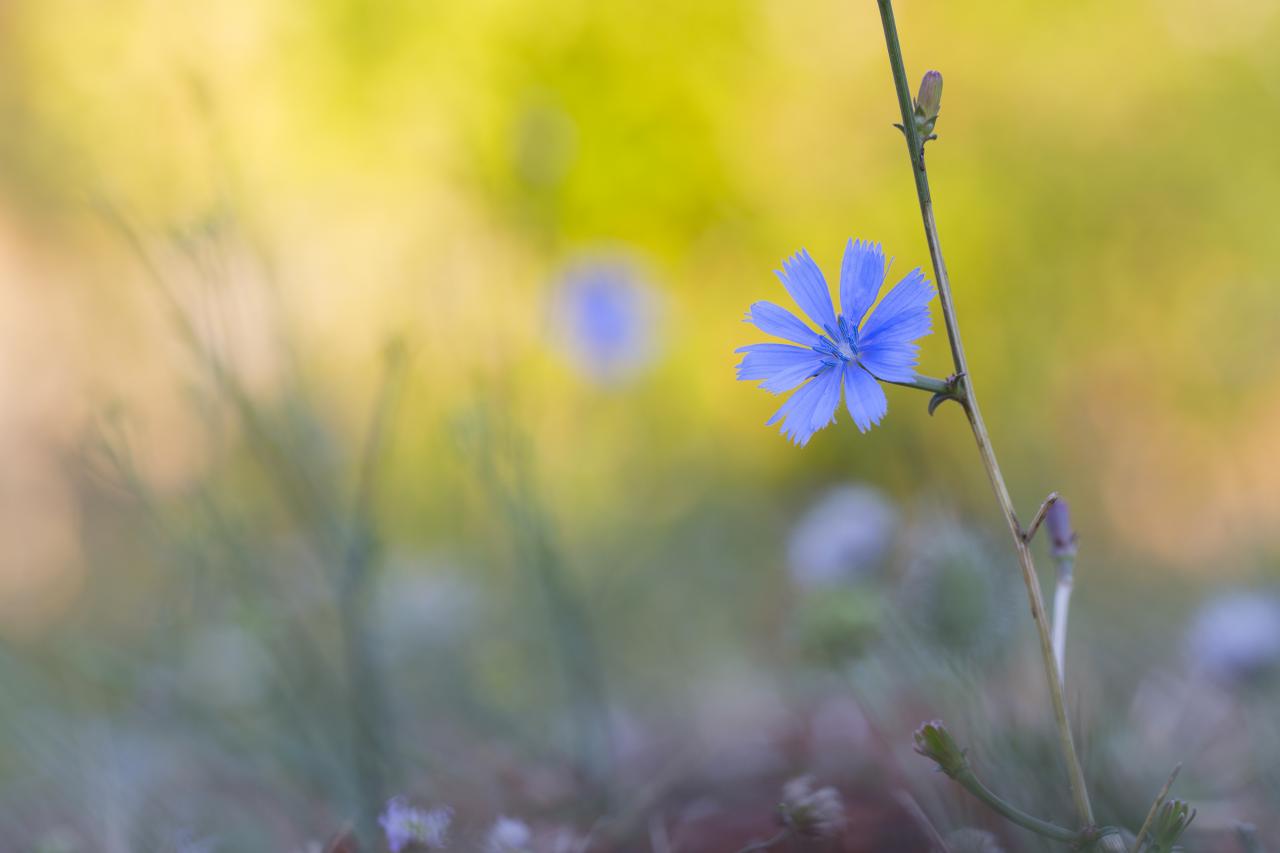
[{"x": 812, "y": 813}]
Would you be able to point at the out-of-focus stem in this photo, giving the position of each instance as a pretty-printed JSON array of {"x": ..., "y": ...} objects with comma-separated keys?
[
  {"x": 926, "y": 383},
  {"x": 1075, "y": 773},
  {"x": 1061, "y": 609},
  {"x": 973, "y": 785}
]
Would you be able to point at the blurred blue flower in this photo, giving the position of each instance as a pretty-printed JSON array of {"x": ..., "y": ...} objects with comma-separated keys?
[
  {"x": 852, "y": 354},
  {"x": 405, "y": 825},
  {"x": 1235, "y": 638},
  {"x": 604, "y": 316}
]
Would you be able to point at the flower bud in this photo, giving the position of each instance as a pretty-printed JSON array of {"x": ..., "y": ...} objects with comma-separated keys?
[
  {"x": 929, "y": 100},
  {"x": 1171, "y": 821},
  {"x": 1062, "y": 538},
  {"x": 935, "y": 743}
]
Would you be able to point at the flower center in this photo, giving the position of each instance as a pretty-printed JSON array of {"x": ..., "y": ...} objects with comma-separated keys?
[{"x": 840, "y": 343}]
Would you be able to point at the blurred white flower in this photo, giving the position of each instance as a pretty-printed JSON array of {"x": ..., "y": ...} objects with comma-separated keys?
[
  {"x": 973, "y": 841},
  {"x": 842, "y": 537},
  {"x": 227, "y": 667},
  {"x": 812, "y": 813},
  {"x": 416, "y": 606},
  {"x": 1236, "y": 637},
  {"x": 508, "y": 835}
]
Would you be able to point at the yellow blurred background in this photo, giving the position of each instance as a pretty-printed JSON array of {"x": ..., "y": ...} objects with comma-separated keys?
[{"x": 1104, "y": 177}]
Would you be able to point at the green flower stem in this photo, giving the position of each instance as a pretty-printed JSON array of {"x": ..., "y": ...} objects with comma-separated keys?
[
  {"x": 927, "y": 383},
  {"x": 973, "y": 785},
  {"x": 1075, "y": 774}
]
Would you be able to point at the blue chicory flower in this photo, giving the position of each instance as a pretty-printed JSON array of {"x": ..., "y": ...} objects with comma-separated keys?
[
  {"x": 853, "y": 350},
  {"x": 405, "y": 825}
]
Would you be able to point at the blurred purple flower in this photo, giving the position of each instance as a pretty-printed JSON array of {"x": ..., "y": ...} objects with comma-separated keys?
[
  {"x": 405, "y": 825},
  {"x": 841, "y": 538},
  {"x": 851, "y": 354},
  {"x": 605, "y": 316},
  {"x": 1236, "y": 637}
]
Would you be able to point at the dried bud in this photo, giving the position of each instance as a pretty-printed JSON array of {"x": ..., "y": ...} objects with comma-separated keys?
[
  {"x": 929, "y": 100},
  {"x": 808, "y": 813},
  {"x": 934, "y": 742},
  {"x": 1062, "y": 538}
]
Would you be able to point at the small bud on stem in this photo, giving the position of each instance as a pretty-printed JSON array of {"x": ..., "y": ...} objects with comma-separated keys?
[
  {"x": 924, "y": 110},
  {"x": 935, "y": 743},
  {"x": 927, "y": 106},
  {"x": 929, "y": 99},
  {"x": 1062, "y": 538}
]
